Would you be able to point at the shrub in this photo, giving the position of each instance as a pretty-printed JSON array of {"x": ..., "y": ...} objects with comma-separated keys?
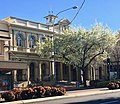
[
  {"x": 47, "y": 91},
  {"x": 39, "y": 91},
  {"x": 62, "y": 90},
  {"x": 36, "y": 91},
  {"x": 118, "y": 82},
  {"x": 98, "y": 83},
  {"x": 8, "y": 96},
  {"x": 102, "y": 84},
  {"x": 17, "y": 93},
  {"x": 111, "y": 86},
  {"x": 94, "y": 82},
  {"x": 54, "y": 91},
  {"x": 27, "y": 93},
  {"x": 116, "y": 85}
]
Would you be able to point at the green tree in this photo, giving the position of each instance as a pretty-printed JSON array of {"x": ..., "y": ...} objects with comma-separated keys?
[{"x": 80, "y": 47}]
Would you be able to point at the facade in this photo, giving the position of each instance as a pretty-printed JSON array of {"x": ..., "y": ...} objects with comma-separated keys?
[
  {"x": 23, "y": 35},
  {"x": 7, "y": 66},
  {"x": 19, "y": 49}
]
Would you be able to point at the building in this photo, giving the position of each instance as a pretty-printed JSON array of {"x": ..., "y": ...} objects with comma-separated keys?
[
  {"x": 7, "y": 66},
  {"x": 20, "y": 47},
  {"x": 18, "y": 42}
]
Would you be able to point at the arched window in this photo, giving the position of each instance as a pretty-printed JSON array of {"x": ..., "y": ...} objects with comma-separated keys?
[
  {"x": 32, "y": 41},
  {"x": 43, "y": 38},
  {"x": 19, "y": 40}
]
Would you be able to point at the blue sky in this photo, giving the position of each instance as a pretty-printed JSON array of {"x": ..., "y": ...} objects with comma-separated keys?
[{"x": 104, "y": 11}]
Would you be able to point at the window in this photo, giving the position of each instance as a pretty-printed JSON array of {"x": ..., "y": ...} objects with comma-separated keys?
[
  {"x": 64, "y": 27},
  {"x": 19, "y": 40},
  {"x": 43, "y": 39},
  {"x": 32, "y": 41},
  {"x": 21, "y": 75}
]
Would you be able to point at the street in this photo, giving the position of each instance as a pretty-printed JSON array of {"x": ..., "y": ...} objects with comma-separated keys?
[{"x": 109, "y": 98}]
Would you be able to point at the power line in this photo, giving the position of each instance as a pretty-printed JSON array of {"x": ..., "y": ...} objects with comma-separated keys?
[{"x": 78, "y": 11}]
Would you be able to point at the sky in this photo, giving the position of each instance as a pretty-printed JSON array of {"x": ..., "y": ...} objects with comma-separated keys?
[{"x": 103, "y": 11}]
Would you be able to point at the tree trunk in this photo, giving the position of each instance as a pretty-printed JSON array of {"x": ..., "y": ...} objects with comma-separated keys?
[{"x": 84, "y": 77}]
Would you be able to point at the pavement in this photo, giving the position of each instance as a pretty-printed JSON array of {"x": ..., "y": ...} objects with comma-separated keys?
[{"x": 69, "y": 94}]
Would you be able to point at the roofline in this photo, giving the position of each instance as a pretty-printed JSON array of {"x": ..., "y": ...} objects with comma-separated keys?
[
  {"x": 47, "y": 31},
  {"x": 24, "y": 20},
  {"x": 3, "y": 21}
]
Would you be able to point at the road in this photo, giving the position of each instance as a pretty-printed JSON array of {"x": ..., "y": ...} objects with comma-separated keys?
[{"x": 109, "y": 98}]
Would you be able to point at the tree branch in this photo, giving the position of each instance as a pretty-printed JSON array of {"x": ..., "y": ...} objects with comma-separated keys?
[
  {"x": 89, "y": 47},
  {"x": 65, "y": 57},
  {"x": 93, "y": 58}
]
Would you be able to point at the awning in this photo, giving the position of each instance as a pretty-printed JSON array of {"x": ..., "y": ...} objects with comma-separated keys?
[{"x": 12, "y": 65}]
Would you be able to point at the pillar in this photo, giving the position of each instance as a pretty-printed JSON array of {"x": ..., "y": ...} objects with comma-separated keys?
[
  {"x": 52, "y": 71},
  {"x": 90, "y": 73},
  {"x": 6, "y": 55},
  {"x": 36, "y": 71},
  {"x": 50, "y": 68},
  {"x": 27, "y": 42},
  {"x": 40, "y": 72},
  {"x": 14, "y": 39},
  {"x": 77, "y": 74},
  {"x": 93, "y": 73},
  {"x": 69, "y": 72},
  {"x": 28, "y": 73},
  {"x": 61, "y": 71},
  {"x": 15, "y": 75}
]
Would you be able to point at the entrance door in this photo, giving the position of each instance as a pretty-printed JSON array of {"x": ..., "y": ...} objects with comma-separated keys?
[{"x": 32, "y": 73}]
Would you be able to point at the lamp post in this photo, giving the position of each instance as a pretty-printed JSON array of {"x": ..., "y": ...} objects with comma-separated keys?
[
  {"x": 108, "y": 67},
  {"x": 54, "y": 46}
]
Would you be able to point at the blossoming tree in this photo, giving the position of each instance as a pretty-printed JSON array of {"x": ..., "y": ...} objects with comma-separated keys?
[{"x": 80, "y": 47}]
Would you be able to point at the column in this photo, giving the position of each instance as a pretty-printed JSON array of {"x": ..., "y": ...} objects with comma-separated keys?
[
  {"x": 28, "y": 74},
  {"x": 12, "y": 80},
  {"x": 6, "y": 55},
  {"x": 25, "y": 37},
  {"x": 40, "y": 72},
  {"x": 14, "y": 41},
  {"x": 69, "y": 72},
  {"x": 90, "y": 74},
  {"x": 52, "y": 71},
  {"x": 93, "y": 73},
  {"x": 61, "y": 71},
  {"x": 15, "y": 75},
  {"x": 27, "y": 43},
  {"x": 36, "y": 72},
  {"x": 77, "y": 74}
]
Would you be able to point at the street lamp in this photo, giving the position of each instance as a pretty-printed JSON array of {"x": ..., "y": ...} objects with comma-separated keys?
[
  {"x": 108, "y": 67},
  {"x": 74, "y": 7}
]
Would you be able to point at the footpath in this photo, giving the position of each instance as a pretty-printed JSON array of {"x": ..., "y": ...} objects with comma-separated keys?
[{"x": 69, "y": 94}]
